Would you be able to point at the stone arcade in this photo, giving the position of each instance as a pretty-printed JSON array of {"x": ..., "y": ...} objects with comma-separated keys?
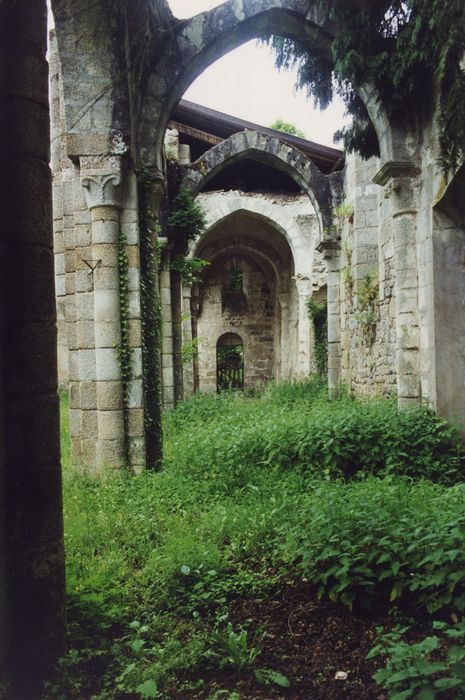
[{"x": 390, "y": 232}]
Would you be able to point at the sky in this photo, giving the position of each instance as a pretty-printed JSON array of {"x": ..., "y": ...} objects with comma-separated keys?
[{"x": 246, "y": 84}]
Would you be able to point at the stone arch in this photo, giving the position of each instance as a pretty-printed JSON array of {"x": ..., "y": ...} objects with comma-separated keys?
[
  {"x": 255, "y": 206},
  {"x": 263, "y": 258},
  {"x": 271, "y": 151},
  {"x": 265, "y": 252},
  {"x": 203, "y": 39}
]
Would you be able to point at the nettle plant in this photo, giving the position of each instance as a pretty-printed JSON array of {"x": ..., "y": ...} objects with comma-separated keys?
[{"x": 432, "y": 667}]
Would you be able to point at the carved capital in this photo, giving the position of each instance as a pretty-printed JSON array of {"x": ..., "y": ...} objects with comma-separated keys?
[
  {"x": 101, "y": 177},
  {"x": 396, "y": 169},
  {"x": 303, "y": 284},
  {"x": 399, "y": 179},
  {"x": 329, "y": 247}
]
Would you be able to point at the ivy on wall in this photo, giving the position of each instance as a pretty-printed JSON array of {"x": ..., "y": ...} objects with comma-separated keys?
[
  {"x": 318, "y": 314},
  {"x": 367, "y": 301},
  {"x": 124, "y": 349},
  {"x": 151, "y": 325}
]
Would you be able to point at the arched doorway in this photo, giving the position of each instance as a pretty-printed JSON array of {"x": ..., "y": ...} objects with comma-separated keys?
[{"x": 229, "y": 362}]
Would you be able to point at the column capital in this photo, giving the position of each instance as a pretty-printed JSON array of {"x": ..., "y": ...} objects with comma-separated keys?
[
  {"x": 329, "y": 247},
  {"x": 399, "y": 179},
  {"x": 394, "y": 169},
  {"x": 303, "y": 284},
  {"x": 101, "y": 178}
]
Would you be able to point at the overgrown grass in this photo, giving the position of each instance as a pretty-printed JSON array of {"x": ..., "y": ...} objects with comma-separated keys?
[{"x": 354, "y": 495}]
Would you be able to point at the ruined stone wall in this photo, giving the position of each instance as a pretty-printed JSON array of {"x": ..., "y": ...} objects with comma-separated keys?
[
  {"x": 252, "y": 318},
  {"x": 368, "y": 333},
  {"x": 94, "y": 203}
]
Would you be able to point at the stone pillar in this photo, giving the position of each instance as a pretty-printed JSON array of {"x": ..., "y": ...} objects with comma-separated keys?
[
  {"x": 101, "y": 179},
  {"x": 167, "y": 368},
  {"x": 58, "y": 229},
  {"x": 31, "y": 530},
  {"x": 400, "y": 178},
  {"x": 331, "y": 252},
  {"x": 188, "y": 367},
  {"x": 150, "y": 191},
  {"x": 283, "y": 298},
  {"x": 177, "y": 330},
  {"x": 303, "y": 337}
]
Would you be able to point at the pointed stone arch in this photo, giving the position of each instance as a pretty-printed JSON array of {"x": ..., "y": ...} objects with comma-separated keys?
[
  {"x": 271, "y": 151},
  {"x": 199, "y": 41}
]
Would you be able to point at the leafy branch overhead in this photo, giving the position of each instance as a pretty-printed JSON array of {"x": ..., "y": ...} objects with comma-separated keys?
[{"x": 410, "y": 50}]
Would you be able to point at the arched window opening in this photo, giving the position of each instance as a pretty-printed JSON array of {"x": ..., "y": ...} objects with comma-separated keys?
[
  {"x": 234, "y": 299},
  {"x": 229, "y": 362}
]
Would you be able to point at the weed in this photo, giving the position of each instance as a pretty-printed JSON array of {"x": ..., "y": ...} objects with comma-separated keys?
[
  {"x": 231, "y": 648},
  {"x": 424, "y": 669}
]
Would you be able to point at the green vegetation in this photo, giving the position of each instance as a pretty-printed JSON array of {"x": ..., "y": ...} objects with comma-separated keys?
[
  {"x": 190, "y": 269},
  {"x": 259, "y": 494},
  {"x": 318, "y": 314},
  {"x": 413, "y": 672},
  {"x": 123, "y": 350},
  {"x": 287, "y": 128},
  {"x": 151, "y": 323},
  {"x": 187, "y": 220},
  {"x": 410, "y": 50}
]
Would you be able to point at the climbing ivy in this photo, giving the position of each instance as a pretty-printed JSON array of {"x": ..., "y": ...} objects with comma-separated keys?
[
  {"x": 367, "y": 301},
  {"x": 123, "y": 350},
  {"x": 318, "y": 314},
  {"x": 410, "y": 50},
  {"x": 347, "y": 273},
  {"x": 151, "y": 327}
]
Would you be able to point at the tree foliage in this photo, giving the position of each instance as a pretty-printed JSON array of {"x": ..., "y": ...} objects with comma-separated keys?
[
  {"x": 410, "y": 50},
  {"x": 187, "y": 219},
  {"x": 287, "y": 128}
]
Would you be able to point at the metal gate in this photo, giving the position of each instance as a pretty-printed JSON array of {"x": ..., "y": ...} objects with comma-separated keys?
[{"x": 229, "y": 366}]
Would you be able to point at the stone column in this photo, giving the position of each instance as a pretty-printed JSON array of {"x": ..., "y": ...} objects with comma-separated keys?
[
  {"x": 188, "y": 367},
  {"x": 150, "y": 194},
  {"x": 101, "y": 178},
  {"x": 177, "y": 330},
  {"x": 331, "y": 252},
  {"x": 58, "y": 230},
  {"x": 283, "y": 298},
  {"x": 402, "y": 190},
  {"x": 31, "y": 529},
  {"x": 303, "y": 336},
  {"x": 167, "y": 368}
]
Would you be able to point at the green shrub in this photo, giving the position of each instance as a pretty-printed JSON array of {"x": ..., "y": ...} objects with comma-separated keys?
[
  {"x": 295, "y": 427},
  {"x": 382, "y": 541},
  {"x": 423, "y": 669}
]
